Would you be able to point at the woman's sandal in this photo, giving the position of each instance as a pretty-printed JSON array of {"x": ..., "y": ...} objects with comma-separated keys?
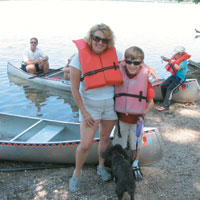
[{"x": 162, "y": 108}]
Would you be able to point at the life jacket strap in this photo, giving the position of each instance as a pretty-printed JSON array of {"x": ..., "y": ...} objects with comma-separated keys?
[
  {"x": 100, "y": 70},
  {"x": 140, "y": 96},
  {"x": 179, "y": 80}
]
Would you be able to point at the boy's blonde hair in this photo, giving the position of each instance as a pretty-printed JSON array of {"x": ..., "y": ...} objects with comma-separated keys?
[
  {"x": 134, "y": 53},
  {"x": 106, "y": 31}
]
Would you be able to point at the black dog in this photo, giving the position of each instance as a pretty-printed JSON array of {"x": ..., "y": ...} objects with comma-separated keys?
[{"x": 121, "y": 170}]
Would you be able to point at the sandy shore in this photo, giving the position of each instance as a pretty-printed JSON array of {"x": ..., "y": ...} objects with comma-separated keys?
[{"x": 175, "y": 177}]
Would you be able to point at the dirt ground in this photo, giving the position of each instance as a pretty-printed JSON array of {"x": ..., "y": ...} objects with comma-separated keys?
[{"x": 175, "y": 177}]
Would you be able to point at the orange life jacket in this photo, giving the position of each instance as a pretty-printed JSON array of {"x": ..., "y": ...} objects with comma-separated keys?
[
  {"x": 98, "y": 71},
  {"x": 131, "y": 96},
  {"x": 169, "y": 67}
]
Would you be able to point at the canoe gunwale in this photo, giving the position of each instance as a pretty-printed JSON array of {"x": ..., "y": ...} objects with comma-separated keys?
[
  {"x": 194, "y": 64},
  {"x": 11, "y": 142},
  {"x": 39, "y": 120}
]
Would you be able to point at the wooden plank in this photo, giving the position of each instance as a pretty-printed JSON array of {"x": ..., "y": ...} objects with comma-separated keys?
[{"x": 46, "y": 134}]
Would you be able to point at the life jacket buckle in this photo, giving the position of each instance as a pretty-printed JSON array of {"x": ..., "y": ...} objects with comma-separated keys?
[
  {"x": 93, "y": 72},
  {"x": 115, "y": 66}
]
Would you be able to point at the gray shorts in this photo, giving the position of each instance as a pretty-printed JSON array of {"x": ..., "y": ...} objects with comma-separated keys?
[
  {"x": 128, "y": 133},
  {"x": 99, "y": 109}
]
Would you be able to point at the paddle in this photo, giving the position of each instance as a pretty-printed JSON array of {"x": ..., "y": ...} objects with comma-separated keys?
[
  {"x": 46, "y": 73},
  {"x": 35, "y": 168},
  {"x": 197, "y": 31}
]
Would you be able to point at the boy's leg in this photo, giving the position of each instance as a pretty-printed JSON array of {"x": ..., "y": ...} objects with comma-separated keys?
[
  {"x": 164, "y": 86},
  {"x": 170, "y": 90},
  {"x": 121, "y": 139},
  {"x": 136, "y": 144}
]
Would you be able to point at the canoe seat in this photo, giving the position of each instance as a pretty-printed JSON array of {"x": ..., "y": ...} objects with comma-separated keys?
[{"x": 46, "y": 134}]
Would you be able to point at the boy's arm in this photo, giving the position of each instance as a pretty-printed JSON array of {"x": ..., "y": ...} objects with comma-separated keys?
[{"x": 177, "y": 67}]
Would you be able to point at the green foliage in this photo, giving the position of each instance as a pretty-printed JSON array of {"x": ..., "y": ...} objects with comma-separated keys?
[{"x": 196, "y": 1}]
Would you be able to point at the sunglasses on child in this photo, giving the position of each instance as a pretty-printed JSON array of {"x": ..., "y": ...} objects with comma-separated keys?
[
  {"x": 129, "y": 62},
  {"x": 33, "y": 42},
  {"x": 98, "y": 39}
]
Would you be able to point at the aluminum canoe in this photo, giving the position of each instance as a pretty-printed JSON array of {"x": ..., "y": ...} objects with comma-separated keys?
[
  {"x": 54, "y": 80},
  {"x": 188, "y": 92},
  {"x": 32, "y": 139},
  {"x": 194, "y": 64}
]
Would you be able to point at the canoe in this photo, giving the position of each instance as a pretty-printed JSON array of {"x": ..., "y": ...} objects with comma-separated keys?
[
  {"x": 193, "y": 65},
  {"x": 188, "y": 92},
  {"x": 54, "y": 80},
  {"x": 33, "y": 139}
]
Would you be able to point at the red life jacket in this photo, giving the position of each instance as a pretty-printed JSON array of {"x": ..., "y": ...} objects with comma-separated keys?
[
  {"x": 98, "y": 71},
  {"x": 131, "y": 96},
  {"x": 169, "y": 68}
]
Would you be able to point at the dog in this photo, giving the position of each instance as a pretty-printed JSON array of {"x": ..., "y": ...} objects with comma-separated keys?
[{"x": 121, "y": 171}]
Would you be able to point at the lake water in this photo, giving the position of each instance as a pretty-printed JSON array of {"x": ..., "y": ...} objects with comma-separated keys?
[{"x": 155, "y": 27}]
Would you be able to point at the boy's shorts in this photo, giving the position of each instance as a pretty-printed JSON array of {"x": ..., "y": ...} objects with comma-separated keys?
[
  {"x": 128, "y": 134},
  {"x": 99, "y": 109}
]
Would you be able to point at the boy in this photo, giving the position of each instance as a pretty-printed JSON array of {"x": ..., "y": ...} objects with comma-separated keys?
[
  {"x": 177, "y": 65},
  {"x": 133, "y": 100}
]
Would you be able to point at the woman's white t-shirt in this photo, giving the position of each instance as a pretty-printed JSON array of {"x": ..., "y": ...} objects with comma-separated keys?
[{"x": 105, "y": 92}]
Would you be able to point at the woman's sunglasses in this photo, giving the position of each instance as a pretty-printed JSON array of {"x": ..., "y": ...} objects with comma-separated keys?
[
  {"x": 98, "y": 39},
  {"x": 129, "y": 62}
]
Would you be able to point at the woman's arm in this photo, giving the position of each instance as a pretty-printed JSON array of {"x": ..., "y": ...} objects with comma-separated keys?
[{"x": 152, "y": 71}]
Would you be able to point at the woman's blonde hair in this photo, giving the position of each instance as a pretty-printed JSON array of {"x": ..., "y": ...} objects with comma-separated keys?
[
  {"x": 134, "y": 53},
  {"x": 108, "y": 33}
]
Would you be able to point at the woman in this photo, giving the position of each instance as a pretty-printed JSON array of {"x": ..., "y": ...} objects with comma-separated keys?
[{"x": 96, "y": 64}]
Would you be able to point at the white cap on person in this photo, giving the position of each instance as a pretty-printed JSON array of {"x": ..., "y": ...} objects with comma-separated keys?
[{"x": 179, "y": 49}]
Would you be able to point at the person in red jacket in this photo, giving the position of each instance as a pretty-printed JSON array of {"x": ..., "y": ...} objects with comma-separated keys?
[{"x": 177, "y": 65}]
